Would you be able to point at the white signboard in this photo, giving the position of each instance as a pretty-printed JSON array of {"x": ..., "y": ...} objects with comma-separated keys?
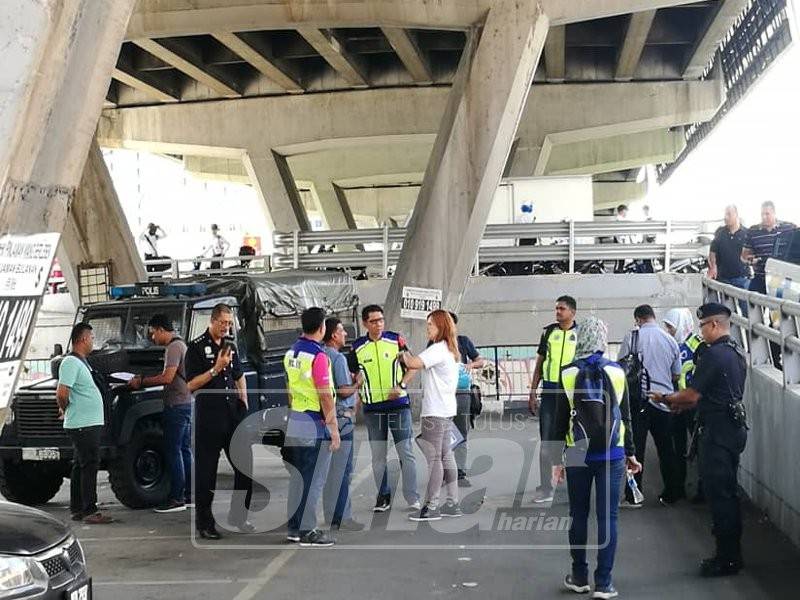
[
  {"x": 25, "y": 262},
  {"x": 418, "y": 302}
]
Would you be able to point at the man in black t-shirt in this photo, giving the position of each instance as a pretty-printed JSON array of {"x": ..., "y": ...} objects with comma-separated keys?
[{"x": 724, "y": 260}]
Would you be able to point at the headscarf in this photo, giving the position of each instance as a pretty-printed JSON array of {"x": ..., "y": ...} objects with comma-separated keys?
[
  {"x": 592, "y": 337},
  {"x": 681, "y": 319}
]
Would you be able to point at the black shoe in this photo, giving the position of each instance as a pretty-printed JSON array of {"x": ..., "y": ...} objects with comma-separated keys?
[
  {"x": 316, "y": 538},
  {"x": 382, "y": 504},
  {"x": 574, "y": 584},
  {"x": 451, "y": 509},
  {"x": 348, "y": 525},
  {"x": 427, "y": 514},
  {"x": 243, "y": 526},
  {"x": 464, "y": 482},
  {"x": 293, "y": 537},
  {"x": 717, "y": 567},
  {"x": 209, "y": 533},
  {"x": 698, "y": 498},
  {"x": 78, "y": 516}
]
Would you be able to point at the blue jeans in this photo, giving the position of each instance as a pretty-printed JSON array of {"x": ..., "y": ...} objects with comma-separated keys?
[
  {"x": 308, "y": 451},
  {"x": 178, "y": 441},
  {"x": 607, "y": 478},
  {"x": 739, "y": 282},
  {"x": 547, "y": 425},
  {"x": 378, "y": 426},
  {"x": 336, "y": 495}
]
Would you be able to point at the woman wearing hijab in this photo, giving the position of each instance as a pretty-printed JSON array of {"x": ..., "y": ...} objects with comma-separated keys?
[
  {"x": 593, "y": 417},
  {"x": 439, "y": 366},
  {"x": 680, "y": 324}
]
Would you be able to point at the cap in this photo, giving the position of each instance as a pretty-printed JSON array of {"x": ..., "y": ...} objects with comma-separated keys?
[{"x": 713, "y": 309}]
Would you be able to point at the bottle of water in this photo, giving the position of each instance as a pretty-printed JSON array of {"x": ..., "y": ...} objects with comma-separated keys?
[{"x": 638, "y": 496}]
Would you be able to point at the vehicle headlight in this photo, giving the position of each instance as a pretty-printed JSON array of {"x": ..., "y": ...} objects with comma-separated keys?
[
  {"x": 8, "y": 418},
  {"x": 17, "y": 573}
]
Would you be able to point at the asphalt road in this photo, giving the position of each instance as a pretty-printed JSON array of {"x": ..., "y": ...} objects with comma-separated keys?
[{"x": 506, "y": 547}]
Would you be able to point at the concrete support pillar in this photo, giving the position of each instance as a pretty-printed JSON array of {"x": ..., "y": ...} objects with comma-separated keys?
[
  {"x": 474, "y": 140},
  {"x": 52, "y": 108},
  {"x": 275, "y": 185},
  {"x": 96, "y": 229},
  {"x": 337, "y": 215}
]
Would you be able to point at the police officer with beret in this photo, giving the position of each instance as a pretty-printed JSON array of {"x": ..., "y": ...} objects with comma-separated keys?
[
  {"x": 716, "y": 389},
  {"x": 214, "y": 375}
]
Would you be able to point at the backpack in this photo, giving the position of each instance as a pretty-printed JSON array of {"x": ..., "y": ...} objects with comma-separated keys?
[
  {"x": 596, "y": 415},
  {"x": 638, "y": 379}
]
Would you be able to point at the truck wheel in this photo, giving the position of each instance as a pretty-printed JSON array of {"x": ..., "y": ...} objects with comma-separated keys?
[
  {"x": 138, "y": 474},
  {"x": 30, "y": 483}
]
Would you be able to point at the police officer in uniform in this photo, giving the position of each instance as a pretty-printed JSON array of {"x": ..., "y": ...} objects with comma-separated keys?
[
  {"x": 716, "y": 389},
  {"x": 216, "y": 379}
]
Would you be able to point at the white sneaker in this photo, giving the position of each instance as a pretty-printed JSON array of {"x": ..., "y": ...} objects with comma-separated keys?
[
  {"x": 543, "y": 497},
  {"x": 630, "y": 505},
  {"x": 415, "y": 506}
]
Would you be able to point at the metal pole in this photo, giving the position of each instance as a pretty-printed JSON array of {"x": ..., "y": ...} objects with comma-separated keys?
[
  {"x": 296, "y": 249},
  {"x": 477, "y": 264},
  {"x": 668, "y": 247},
  {"x": 571, "y": 246},
  {"x": 385, "y": 251}
]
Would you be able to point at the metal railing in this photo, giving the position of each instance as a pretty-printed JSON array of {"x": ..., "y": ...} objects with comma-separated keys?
[
  {"x": 578, "y": 243},
  {"x": 176, "y": 268},
  {"x": 764, "y": 325}
]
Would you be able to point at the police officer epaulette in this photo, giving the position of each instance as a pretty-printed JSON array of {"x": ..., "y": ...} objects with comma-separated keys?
[
  {"x": 731, "y": 343},
  {"x": 198, "y": 339}
]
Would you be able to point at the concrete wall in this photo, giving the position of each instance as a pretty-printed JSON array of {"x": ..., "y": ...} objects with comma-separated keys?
[
  {"x": 513, "y": 310},
  {"x": 769, "y": 473}
]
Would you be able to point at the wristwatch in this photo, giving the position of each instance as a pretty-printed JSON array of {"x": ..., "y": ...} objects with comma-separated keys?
[{"x": 213, "y": 372}]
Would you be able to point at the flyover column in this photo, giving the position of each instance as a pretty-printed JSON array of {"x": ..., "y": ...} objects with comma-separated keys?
[
  {"x": 50, "y": 110},
  {"x": 97, "y": 229},
  {"x": 272, "y": 178},
  {"x": 474, "y": 141}
]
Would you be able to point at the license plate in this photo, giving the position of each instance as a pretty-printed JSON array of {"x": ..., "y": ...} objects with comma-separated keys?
[
  {"x": 82, "y": 593},
  {"x": 41, "y": 454}
]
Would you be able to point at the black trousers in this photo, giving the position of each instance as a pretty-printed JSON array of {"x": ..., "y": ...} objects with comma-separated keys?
[
  {"x": 657, "y": 423},
  {"x": 85, "y": 463},
  {"x": 682, "y": 425},
  {"x": 461, "y": 421},
  {"x": 213, "y": 434},
  {"x": 720, "y": 448}
]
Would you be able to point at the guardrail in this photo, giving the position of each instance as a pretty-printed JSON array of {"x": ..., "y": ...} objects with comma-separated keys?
[
  {"x": 176, "y": 268},
  {"x": 628, "y": 244},
  {"x": 758, "y": 321}
]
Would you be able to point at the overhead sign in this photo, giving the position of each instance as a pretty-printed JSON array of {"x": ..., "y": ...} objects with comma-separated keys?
[
  {"x": 417, "y": 302},
  {"x": 25, "y": 262}
]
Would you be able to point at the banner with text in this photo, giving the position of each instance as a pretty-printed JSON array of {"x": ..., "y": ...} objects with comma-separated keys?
[
  {"x": 25, "y": 262},
  {"x": 418, "y": 302}
]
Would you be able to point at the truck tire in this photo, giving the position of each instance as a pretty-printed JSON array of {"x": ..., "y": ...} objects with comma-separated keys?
[
  {"x": 138, "y": 474},
  {"x": 30, "y": 483}
]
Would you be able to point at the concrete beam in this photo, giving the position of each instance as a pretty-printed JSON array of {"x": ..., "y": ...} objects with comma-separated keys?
[
  {"x": 475, "y": 136},
  {"x": 172, "y": 18},
  {"x": 145, "y": 83},
  {"x": 615, "y": 153},
  {"x": 343, "y": 119},
  {"x": 189, "y": 65},
  {"x": 555, "y": 48},
  {"x": 329, "y": 47},
  {"x": 96, "y": 229},
  {"x": 277, "y": 189},
  {"x": 217, "y": 169},
  {"x": 410, "y": 54},
  {"x": 341, "y": 197},
  {"x": 610, "y": 194},
  {"x": 635, "y": 39},
  {"x": 719, "y": 26},
  {"x": 50, "y": 110},
  {"x": 259, "y": 61}
]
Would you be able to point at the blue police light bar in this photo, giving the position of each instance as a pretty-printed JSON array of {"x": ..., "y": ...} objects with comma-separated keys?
[{"x": 157, "y": 290}]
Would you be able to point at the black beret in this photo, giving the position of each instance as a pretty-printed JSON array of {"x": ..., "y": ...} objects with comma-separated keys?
[{"x": 713, "y": 309}]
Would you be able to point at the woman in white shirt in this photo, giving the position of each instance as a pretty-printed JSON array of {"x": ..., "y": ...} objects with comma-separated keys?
[{"x": 439, "y": 366}]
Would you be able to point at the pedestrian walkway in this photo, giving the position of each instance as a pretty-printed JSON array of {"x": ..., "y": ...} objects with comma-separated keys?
[{"x": 657, "y": 555}]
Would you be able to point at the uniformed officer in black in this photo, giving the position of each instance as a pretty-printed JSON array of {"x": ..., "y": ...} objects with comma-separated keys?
[
  {"x": 216, "y": 379},
  {"x": 717, "y": 388}
]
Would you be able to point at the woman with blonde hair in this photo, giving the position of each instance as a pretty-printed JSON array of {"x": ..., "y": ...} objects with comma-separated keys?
[{"x": 439, "y": 366}]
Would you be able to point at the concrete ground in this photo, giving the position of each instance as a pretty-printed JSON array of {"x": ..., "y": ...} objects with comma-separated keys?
[{"x": 150, "y": 556}]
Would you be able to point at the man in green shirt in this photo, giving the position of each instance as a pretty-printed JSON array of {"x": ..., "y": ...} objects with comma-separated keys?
[{"x": 82, "y": 405}]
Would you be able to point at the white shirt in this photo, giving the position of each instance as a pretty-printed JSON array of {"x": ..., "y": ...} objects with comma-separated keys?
[{"x": 439, "y": 381}]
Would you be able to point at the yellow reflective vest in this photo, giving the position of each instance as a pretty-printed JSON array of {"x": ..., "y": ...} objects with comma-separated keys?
[
  {"x": 298, "y": 362},
  {"x": 560, "y": 351}
]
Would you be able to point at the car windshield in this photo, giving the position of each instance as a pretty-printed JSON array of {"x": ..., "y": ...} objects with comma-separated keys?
[{"x": 125, "y": 327}]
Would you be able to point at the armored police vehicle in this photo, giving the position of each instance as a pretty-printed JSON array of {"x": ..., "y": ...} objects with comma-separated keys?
[{"x": 35, "y": 453}]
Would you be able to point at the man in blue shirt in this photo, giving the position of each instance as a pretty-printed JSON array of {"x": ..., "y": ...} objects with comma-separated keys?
[
  {"x": 82, "y": 405},
  {"x": 336, "y": 495},
  {"x": 765, "y": 241}
]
